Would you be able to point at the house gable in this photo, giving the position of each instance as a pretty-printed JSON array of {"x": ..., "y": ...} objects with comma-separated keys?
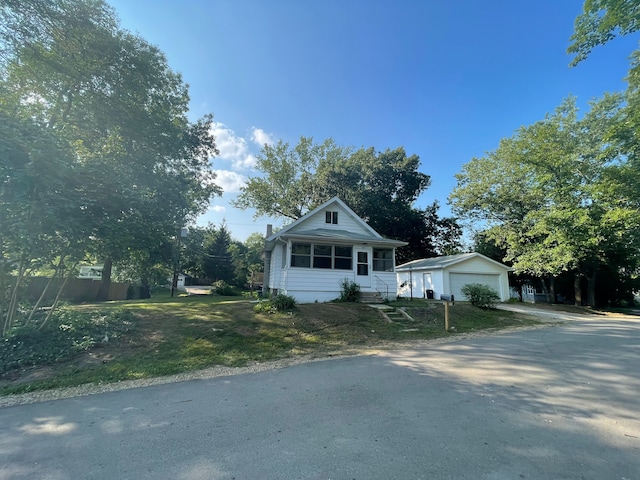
[{"x": 333, "y": 221}]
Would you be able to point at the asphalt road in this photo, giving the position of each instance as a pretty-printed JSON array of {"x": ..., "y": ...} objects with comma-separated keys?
[{"x": 562, "y": 402}]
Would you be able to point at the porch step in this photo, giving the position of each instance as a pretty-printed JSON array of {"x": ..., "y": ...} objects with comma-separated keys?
[{"x": 370, "y": 297}]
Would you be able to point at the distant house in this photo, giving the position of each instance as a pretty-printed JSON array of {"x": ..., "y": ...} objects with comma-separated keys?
[
  {"x": 447, "y": 275},
  {"x": 309, "y": 258},
  {"x": 93, "y": 272}
]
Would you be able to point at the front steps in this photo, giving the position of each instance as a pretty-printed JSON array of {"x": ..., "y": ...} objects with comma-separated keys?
[
  {"x": 392, "y": 314},
  {"x": 370, "y": 297}
]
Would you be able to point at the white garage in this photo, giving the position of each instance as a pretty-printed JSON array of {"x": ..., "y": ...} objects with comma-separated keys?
[{"x": 447, "y": 275}]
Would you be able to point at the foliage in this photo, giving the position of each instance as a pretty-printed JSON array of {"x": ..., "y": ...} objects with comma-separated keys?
[
  {"x": 277, "y": 303},
  {"x": 68, "y": 333},
  {"x": 288, "y": 187},
  {"x": 380, "y": 187},
  {"x": 210, "y": 252},
  {"x": 217, "y": 262},
  {"x": 99, "y": 155},
  {"x": 283, "y": 302},
  {"x": 349, "y": 290},
  {"x": 220, "y": 287},
  {"x": 481, "y": 296},
  {"x": 552, "y": 195},
  {"x": 600, "y": 22}
]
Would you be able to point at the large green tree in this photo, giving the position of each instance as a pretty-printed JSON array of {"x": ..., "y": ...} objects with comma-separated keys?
[
  {"x": 137, "y": 169},
  {"x": 381, "y": 187},
  {"x": 549, "y": 195}
]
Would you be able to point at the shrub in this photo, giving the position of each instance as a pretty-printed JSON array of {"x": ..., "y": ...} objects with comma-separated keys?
[
  {"x": 264, "y": 306},
  {"x": 279, "y": 303},
  {"x": 224, "y": 289},
  {"x": 283, "y": 302},
  {"x": 481, "y": 296},
  {"x": 349, "y": 290},
  {"x": 68, "y": 333}
]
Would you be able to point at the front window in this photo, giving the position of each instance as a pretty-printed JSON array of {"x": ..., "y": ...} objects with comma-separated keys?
[
  {"x": 306, "y": 255},
  {"x": 322, "y": 256},
  {"x": 383, "y": 260},
  {"x": 301, "y": 255},
  {"x": 342, "y": 258}
]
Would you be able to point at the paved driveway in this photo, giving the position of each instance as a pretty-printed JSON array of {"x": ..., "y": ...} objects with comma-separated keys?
[{"x": 560, "y": 402}]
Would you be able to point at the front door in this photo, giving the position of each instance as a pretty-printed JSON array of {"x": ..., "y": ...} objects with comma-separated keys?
[{"x": 363, "y": 269}]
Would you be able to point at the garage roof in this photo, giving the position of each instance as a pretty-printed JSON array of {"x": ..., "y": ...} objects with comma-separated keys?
[{"x": 445, "y": 261}]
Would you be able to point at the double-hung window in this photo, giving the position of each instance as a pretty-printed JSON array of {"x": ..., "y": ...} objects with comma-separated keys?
[
  {"x": 306, "y": 255},
  {"x": 331, "y": 217},
  {"x": 322, "y": 256},
  {"x": 301, "y": 255},
  {"x": 342, "y": 259},
  {"x": 383, "y": 260}
]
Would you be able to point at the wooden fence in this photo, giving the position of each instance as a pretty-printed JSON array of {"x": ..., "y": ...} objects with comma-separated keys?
[{"x": 76, "y": 290}]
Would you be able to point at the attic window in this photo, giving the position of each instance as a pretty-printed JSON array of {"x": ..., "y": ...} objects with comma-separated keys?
[{"x": 331, "y": 217}]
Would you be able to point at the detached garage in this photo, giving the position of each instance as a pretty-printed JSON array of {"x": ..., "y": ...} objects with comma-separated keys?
[{"x": 447, "y": 275}]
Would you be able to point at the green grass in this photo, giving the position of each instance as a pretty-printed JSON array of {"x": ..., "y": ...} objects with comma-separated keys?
[{"x": 185, "y": 333}]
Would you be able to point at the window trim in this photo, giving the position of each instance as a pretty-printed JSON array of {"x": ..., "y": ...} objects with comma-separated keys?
[
  {"x": 387, "y": 263},
  {"x": 334, "y": 259},
  {"x": 331, "y": 217}
]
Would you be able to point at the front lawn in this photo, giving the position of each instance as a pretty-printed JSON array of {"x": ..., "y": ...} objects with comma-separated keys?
[{"x": 172, "y": 335}]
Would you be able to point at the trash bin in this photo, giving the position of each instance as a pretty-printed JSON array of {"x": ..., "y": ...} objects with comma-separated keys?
[{"x": 429, "y": 294}]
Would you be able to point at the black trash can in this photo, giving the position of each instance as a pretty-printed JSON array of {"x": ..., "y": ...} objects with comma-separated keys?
[{"x": 429, "y": 294}]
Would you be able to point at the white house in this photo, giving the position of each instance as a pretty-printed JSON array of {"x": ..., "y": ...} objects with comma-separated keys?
[
  {"x": 448, "y": 274},
  {"x": 309, "y": 258}
]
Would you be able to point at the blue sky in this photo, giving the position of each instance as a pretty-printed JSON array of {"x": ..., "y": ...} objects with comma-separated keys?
[{"x": 444, "y": 79}]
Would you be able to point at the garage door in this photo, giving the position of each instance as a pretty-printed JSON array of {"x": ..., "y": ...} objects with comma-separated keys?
[{"x": 459, "y": 280}]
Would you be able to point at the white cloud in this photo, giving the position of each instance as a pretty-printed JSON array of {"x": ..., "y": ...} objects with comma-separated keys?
[
  {"x": 260, "y": 137},
  {"x": 230, "y": 181},
  {"x": 233, "y": 148},
  {"x": 217, "y": 208}
]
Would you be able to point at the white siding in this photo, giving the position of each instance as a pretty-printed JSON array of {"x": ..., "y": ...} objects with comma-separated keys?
[
  {"x": 413, "y": 284},
  {"x": 481, "y": 271},
  {"x": 476, "y": 265},
  {"x": 310, "y": 285},
  {"x": 419, "y": 288},
  {"x": 345, "y": 222},
  {"x": 385, "y": 283},
  {"x": 276, "y": 270},
  {"x": 459, "y": 280}
]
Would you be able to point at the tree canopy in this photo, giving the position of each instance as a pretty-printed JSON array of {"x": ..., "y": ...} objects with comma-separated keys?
[
  {"x": 550, "y": 194},
  {"x": 600, "y": 22},
  {"x": 381, "y": 187},
  {"x": 101, "y": 157}
]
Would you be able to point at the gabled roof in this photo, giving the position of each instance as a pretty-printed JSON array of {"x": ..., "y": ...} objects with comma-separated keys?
[
  {"x": 436, "y": 263},
  {"x": 297, "y": 231}
]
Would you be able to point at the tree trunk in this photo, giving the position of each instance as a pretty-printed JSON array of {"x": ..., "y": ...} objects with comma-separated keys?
[
  {"x": 591, "y": 289},
  {"x": 105, "y": 283},
  {"x": 13, "y": 300},
  {"x": 577, "y": 289},
  {"x": 57, "y": 299},
  {"x": 145, "y": 288},
  {"x": 545, "y": 290},
  {"x": 552, "y": 289},
  {"x": 42, "y": 296}
]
